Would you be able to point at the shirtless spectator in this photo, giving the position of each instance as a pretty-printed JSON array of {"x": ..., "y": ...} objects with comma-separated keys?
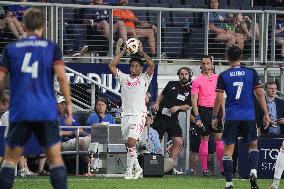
[{"x": 136, "y": 28}]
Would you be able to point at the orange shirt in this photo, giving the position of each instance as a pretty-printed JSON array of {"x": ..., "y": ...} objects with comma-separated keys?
[{"x": 124, "y": 15}]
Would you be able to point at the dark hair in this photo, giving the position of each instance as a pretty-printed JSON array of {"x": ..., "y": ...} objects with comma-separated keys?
[
  {"x": 207, "y": 56},
  {"x": 33, "y": 19},
  {"x": 270, "y": 83},
  {"x": 136, "y": 59},
  {"x": 210, "y": 2},
  {"x": 187, "y": 69},
  {"x": 102, "y": 100},
  {"x": 233, "y": 53}
]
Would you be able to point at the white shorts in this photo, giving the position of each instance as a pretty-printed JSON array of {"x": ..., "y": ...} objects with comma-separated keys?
[
  {"x": 132, "y": 126},
  {"x": 70, "y": 145}
]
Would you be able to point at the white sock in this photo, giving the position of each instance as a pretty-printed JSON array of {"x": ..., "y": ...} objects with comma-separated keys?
[
  {"x": 136, "y": 163},
  {"x": 276, "y": 182},
  {"x": 253, "y": 171},
  {"x": 131, "y": 156},
  {"x": 229, "y": 184},
  {"x": 279, "y": 166}
]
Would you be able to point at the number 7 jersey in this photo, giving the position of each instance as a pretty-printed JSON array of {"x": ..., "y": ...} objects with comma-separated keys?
[
  {"x": 30, "y": 63},
  {"x": 239, "y": 83}
]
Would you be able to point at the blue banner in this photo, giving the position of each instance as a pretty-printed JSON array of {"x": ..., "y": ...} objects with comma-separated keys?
[
  {"x": 268, "y": 151},
  {"x": 100, "y": 72}
]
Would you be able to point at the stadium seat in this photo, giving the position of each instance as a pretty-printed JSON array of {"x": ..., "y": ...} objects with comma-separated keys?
[
  {"x": 173, "y": 42},
  {"x": 194, "y": 45},
  {"x": 82, "y": 117},
  {"x": 197, "y": 3},
  {"x": 183, "y": 19}
]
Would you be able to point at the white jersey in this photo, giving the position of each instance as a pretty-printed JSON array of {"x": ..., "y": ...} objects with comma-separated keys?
[{"x": 133, "y": 92}]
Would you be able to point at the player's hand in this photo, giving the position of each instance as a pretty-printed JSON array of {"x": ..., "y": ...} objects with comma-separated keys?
[
  {"x": 69, "y": 118},
  {"x": 174, "y": 109},
  {"x": 155, "y": 107},
  {"x": 154, "y": 28},
  {"x": 266, "y": 121},
  {"x": 140, "y": 49},
  {"x": 214, "y": 124}
]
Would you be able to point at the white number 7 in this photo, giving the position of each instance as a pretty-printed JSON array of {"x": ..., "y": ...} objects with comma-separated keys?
[
  {"x": 30, "y": 69},
  {"x": 239, "y": 90}
]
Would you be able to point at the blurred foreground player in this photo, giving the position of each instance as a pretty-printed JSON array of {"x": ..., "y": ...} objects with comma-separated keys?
[
  {"x": 279, "y": 167},
  {"x": 240, "y": 83},
  {"x": 32, "y": 63}
]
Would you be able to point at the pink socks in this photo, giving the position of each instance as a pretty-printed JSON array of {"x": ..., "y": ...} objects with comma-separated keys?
[
  {"x": 203, "y": 154},
  {"x": 219, "y": 152}
]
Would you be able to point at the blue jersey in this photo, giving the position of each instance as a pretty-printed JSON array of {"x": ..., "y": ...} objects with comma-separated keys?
[
  {"x": 239, "y": 84},
  {"x": 30, "y": 62}
]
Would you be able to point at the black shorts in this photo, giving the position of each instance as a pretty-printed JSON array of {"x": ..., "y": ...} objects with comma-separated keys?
[
  {"x": 235, "y": 129},
  {"x": 194, "y": 140},
  {"x": 163, "y": 123},
  {"x": 46, "y": 132},
  {"x": 206, "y": 118}
]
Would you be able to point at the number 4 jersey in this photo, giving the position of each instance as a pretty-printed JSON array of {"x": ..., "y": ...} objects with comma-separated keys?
[
  {"x": 239, "y": 83},
  {"x": 30, "y": 63}
]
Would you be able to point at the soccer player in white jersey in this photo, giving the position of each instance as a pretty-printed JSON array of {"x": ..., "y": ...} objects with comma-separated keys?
[
  {"x": 134, "y": 110},
  {"x": 279, "y": 168}
]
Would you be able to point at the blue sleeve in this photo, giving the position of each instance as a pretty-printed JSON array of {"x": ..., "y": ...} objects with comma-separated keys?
[
  {"x": 92, "y": 119},
  {"x": 211, "y": 18},
  {"x": 256, "y": 80},
  {"x": 76, "y": 122},
  {"x": 220, "y": 83},
  {"x": 57, "y": 54}
]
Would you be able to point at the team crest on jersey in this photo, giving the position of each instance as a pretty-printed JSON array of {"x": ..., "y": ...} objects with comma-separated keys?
[{"x": 133, "y": 84}]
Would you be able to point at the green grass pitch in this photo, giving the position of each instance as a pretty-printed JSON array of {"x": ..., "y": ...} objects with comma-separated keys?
[{"x": 167, "y": 182}]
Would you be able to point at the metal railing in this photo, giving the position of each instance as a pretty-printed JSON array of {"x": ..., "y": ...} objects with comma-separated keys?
[{"x": 182, "y": 33}]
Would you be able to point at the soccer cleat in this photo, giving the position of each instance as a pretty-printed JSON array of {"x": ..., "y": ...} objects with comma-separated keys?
[
  {"x": 128, "y": 175},
  {"x": 229, "y": 187},
  {"x": 138, "y": 173},
  {"x": 273, "y": 186},
  {"x": 253, "y": 181},
  {"x": 177, "y": 172},
  {"x": 206, "y": 173}
]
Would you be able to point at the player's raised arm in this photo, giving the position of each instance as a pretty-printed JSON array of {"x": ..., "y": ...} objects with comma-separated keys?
[
  {"x": 150, "y": 62},
  {"x": 113, "y": 64}
]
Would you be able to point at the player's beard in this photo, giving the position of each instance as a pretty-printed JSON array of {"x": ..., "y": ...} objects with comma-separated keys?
[{"x": 183, "y": 81}]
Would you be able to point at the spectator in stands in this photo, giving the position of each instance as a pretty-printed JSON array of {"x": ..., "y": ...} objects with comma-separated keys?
[
  {"x": 98, "y": 19},
  {"x": 279, "y": 33},
  {"x": 245, "y": 26},
  {"x": 69, "y": 134},
  {"x": 218, "y": 27},
  {"x": 275, "y": 107},
  {"x": 11, "y": 22},
  {"x": 74, "y": 33},
  {"x": 100, "y": 116},
  {"x": 16, "y": 12},
  {"x": 136, "y": 28},
  {"x": 174, "y": 98},
  {"x": 149, "y": 140}
]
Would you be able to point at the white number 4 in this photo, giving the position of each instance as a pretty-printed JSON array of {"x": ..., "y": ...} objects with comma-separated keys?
[
  {"x": 239, "y": 90},
  {"x": 30, "y": 69}
]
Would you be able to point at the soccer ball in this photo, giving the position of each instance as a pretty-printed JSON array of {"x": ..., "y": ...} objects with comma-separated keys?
[{"x": 132, "y": 46}]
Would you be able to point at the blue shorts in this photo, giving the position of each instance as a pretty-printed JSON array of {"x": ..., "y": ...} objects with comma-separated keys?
[
  {"x": 46, "y": 132},
  {"x": 235, "y": 129}
]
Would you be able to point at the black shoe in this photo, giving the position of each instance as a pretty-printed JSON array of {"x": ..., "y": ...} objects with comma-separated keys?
[
  {"x": 230, "y": 187},
  {"x": 253, "y": 180},
  {"x": 207, "y": 173}
]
